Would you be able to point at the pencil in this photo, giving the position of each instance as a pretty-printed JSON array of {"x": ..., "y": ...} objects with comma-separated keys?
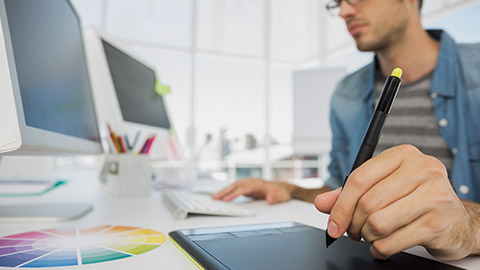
[
  {"x": 113, "y": 137},
  {"x": 150, "y": 144},
  {"x": 137, "y": 135},
  {"x": 122, "y": 144},
  {"x": 144, "y": 146}
]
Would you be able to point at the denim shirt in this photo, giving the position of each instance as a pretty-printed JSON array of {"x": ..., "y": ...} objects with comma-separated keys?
[{"x": 455, "y": 91}]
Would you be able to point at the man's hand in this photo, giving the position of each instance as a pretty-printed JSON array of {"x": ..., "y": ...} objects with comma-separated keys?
[
  {"x": 400, "y": 199},
  {"x": 272, "y": 192}
]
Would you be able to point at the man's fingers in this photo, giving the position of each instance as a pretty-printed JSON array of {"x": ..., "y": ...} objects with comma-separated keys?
[
  {"x": 221, "y": 194},
  {"x": 234, "y": 193},
  {"x": 325, "y": 201},
  {"x": 406, "y": 237},
  {"x": 273, "y": 198},
  {"x": 270, "y": 198},
  {"x": 364, "y": 178},
  {"x": 395, "y": 216},
  {"x": 380, "y": 196}
]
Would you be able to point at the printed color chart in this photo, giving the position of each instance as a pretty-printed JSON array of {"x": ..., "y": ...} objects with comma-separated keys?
[{"x": 70, "y": 246}]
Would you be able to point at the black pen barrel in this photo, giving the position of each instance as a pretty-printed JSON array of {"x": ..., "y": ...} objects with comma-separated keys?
[
  {"x": 372, "y": 135},
  {"x": 370, "y": 140},
  {"x": 384, "y": 106},
  {"x": 389, "y": 92}
]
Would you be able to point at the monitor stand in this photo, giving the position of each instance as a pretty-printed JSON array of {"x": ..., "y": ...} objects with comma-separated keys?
[
  {"x": 20, "y": 213},
  {"x": 42, "y": 212}
]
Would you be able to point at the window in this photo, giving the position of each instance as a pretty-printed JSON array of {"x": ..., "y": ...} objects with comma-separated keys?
[{"x": 214, "y": 55}]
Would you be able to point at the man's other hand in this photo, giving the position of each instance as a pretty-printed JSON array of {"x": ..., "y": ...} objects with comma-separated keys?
[{"x": 272, "y": 192}]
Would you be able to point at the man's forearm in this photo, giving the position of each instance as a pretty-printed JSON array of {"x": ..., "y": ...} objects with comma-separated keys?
[{"x": 473, "y": 210}]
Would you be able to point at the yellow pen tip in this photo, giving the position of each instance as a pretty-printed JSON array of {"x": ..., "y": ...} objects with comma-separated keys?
[{"x": 397, "y": 72}]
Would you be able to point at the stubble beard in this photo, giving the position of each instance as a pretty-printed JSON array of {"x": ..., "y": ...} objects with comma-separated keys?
[{"x": 381, "y": 39}]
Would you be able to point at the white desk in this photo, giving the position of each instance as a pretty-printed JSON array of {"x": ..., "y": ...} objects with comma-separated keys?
[{"x": 151, "y": 213}]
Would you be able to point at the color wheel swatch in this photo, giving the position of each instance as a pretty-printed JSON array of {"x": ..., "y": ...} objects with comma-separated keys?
[{"x": 70, "y": 246}]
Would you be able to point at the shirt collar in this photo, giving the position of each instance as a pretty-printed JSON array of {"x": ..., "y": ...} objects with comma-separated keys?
[
  {"x": 370, "y": 82},
  {"x": 443, "y": 81}
]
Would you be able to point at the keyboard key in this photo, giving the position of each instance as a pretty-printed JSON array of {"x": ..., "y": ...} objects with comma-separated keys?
[{"x": 182, "y": 203}]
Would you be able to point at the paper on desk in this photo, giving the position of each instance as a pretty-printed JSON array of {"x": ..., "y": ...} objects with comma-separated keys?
[{"x": 11, "y": 188}]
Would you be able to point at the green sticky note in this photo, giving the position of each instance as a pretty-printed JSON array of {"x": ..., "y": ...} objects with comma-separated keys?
[{"x": 161, "y": 89}]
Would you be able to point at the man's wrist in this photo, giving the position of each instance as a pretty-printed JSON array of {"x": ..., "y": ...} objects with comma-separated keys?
[{"x": 473, "y": 210}]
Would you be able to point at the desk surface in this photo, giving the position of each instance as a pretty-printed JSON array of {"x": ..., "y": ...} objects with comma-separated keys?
[{"x": 152, "y": 213}]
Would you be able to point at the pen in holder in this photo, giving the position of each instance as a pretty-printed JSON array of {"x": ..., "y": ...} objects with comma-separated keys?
[
  {"x": 128, "y": 172},
  {"x": 128, "y": 175}
]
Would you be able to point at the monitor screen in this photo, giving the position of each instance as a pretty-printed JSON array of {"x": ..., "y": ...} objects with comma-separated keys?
[
  {"x": 134, "y": 85},
  {"x": 51, "y": 68}
]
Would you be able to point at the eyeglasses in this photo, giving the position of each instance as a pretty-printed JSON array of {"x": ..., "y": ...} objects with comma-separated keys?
[{"x": 333, "y": 7}]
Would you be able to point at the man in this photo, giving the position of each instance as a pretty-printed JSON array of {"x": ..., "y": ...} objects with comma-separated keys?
[{"x": 404, "y": 196}]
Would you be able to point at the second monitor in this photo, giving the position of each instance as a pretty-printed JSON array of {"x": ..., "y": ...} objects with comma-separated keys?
[
  {"x": 134, "y": 83},
  {"x": 125, "y": 97}
]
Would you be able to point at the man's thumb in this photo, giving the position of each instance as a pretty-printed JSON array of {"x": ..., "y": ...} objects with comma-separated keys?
[{"x": 325, "y": 201}]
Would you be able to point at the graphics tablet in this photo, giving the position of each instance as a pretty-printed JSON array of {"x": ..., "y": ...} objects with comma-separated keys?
[{"x": 285, "y": 245}]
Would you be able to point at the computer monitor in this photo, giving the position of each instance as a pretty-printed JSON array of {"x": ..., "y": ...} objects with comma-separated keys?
[
  {"x": 46, "y": 101},
  {"x": 43, "y": 68},
  {"x": 134, "y": 84},
  {"x": 124, "y": 87}
]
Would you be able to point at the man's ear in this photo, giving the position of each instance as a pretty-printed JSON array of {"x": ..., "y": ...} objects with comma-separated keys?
[{"x": 414, "y": 5}]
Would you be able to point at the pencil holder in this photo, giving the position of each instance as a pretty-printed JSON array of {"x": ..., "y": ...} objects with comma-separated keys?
[{"x": 128, "y": 175}]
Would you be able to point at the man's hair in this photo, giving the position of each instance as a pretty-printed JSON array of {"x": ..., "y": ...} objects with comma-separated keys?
[{"x": 420, "y": 3}]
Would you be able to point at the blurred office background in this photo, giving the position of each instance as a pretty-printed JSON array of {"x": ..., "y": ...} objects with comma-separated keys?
[{"x": 231, "y": 67}]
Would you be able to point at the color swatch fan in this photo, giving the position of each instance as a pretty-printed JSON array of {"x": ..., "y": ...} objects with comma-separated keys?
[{"x": 70, "y": 246}]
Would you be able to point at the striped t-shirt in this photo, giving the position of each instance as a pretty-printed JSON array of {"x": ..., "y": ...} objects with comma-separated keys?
[{"x": 412, "y": 121}]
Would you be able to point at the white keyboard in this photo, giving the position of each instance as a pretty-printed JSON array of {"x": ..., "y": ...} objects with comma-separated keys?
[{"x": 182, "y": 203}]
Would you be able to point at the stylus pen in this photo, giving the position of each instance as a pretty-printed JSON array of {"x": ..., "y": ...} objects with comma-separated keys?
[{"x": 371, "y": 137}]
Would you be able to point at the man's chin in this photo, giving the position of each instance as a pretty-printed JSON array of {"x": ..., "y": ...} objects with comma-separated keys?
[
  {"x": 363, "y": 46},
  {"x": 369, "y": 43}
]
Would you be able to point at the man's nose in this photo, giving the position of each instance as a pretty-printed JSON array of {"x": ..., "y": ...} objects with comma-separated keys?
[{"x": 346, "y": 10}]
